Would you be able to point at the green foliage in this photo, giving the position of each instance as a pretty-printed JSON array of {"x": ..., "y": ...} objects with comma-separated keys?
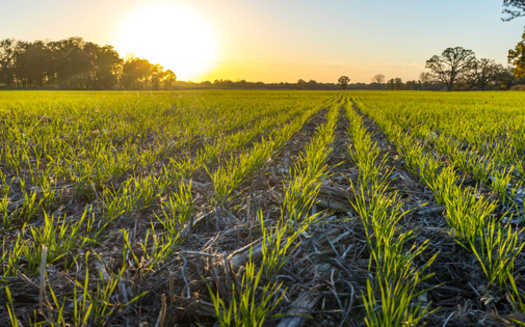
[
  {"x": 391, "y": 298},
  {"x": 246, "y": 306},
  {"x": 448, "y": 137},
  {"x": 81, "y": 169},
  {"x": 90, "y": 168},
  {"x": 498, "y": 248}
]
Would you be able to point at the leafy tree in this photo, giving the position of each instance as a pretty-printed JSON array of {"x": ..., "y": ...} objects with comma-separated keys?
[
  {"x": 514, "y": 8},
  {"x": 312, "y": 85},
  {"x": 425, "y": 79},
  {"x": 395, "y": 84},
  {"x": 136, "y": 73},
  {"x": 378, "y": 78},
  {"x": 516, "y": 57},
  {"x": 72, "y": 62},
  {"x": 343, "y": 81},
  {"x": 107, "y": 67},
  {"x": 413, "y": 85},
  {"x": 32, "y": 64},
  {"x": 75, "y": 64},
  {"x": 301, "y": 84},
  {"x": 452, "y": 65},
  {"x": 169, "y": 79},
  {"x": 482, "y": 73},
  {"x": 156, "y": 76},
  {"x": 7, "y": 54},
  {"x": 505, "y": 77}
]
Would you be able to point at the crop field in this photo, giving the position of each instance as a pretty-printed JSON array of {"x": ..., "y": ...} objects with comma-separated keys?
[{"x": 252, "y": 208}]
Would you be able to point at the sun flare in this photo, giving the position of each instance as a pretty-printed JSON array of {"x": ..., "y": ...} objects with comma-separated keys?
[{"x": 171, "y": 35}]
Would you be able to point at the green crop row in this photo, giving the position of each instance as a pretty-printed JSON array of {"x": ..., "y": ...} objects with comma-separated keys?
[
  {"x": 300, "y": 191},
  {"x": 469, "y": 214},
  {"x": 393, "y": 294},
  {"x": 82, "y": 170}
]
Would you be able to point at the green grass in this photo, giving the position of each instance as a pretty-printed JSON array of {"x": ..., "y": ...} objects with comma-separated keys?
[{"x": 134, "y": 181}]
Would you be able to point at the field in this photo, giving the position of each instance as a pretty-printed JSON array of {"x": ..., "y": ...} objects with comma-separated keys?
[{"x": 276, "y": 208}]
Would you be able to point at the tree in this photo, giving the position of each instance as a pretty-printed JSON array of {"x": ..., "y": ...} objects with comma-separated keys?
[
  {"x": 514, "y": 8},
  {"x": 505, "y": 77},
  {"x": 378, "y": 78},
  {"x": 156, "y": 76},
  {"x": 413, "y": 85},
  {"x": 343, "y": 81},
  {"x": 169, "y": 79},
  {"x": 72, "y": 61},
  {"x": 33, "y": 63},
  {"x": 311, "y": 85},
  {"x": 76, "y": 64},
  {"x": 452, "y": 65},
  {"x": 395, "y": 84},
  {"x": 516, "y": 57},
  {"x": 107, "y": 65},
  {"x": 425, "y": 79},
  {"x": 136, "y": 73},
  {"x": 301, "y": 84},
  {"x": 482, "y": 73},
  {"x": 7, "y": 54}
]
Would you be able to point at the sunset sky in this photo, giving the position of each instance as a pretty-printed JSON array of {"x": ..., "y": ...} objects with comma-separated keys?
[{"x": 273, "y": 40}]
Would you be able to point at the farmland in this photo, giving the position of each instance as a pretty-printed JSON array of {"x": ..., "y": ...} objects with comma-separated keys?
[{"x": 247, "y": 207}]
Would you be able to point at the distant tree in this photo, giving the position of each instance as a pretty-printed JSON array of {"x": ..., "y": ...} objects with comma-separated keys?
[
  {"x": 32, "y": 64},
  {"x": 169, "y": 79},
  {"x": 311, "y": 85},
  {"x": 413, "y": 85},
  {"x": 136, "y": 73},
  {"x": 205, "y": 84},
  {"x": 76, "y": 64},
  {"x": 452, "y": 65},
  {"x": 156, "y": 76},
  {"x": 378, "y": 78},
  {"x": 399, "y": 84},
  {"x": 343, "y": 81},
  {"x": 72, "y": 61},
  {"x": 482, "y": 73},
  {"x": 516, "y": 57},
  {"x": 7, "y": 56},
  {"x": 505, "y": 78},
  {"x": 390, "y": 84},
  {"x": 514, "y": 8},
  {"x": 223, "y": 84},
  {"x": 301, "y": 84},
  {"x": 395, "y": 84},
  {"x": 107, "y": 67},
  {"x": 425, "y": 79}
]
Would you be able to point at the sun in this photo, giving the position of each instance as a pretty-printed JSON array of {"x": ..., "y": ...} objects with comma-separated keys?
[{"x": 171, "y": 35}]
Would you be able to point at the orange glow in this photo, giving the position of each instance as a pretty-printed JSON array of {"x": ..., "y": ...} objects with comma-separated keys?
[{"x": 170, "y": 35}]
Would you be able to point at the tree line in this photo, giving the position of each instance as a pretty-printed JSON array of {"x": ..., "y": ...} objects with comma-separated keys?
[
  {"x": 76, "y": 64},
  {"x": 458, "y": 68}
]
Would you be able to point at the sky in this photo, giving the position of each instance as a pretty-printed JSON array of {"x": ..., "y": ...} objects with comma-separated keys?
[{"x": 273, "y": 40}]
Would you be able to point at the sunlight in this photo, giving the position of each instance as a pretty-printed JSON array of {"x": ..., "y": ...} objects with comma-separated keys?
[{"x": 171, "y": 35}]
